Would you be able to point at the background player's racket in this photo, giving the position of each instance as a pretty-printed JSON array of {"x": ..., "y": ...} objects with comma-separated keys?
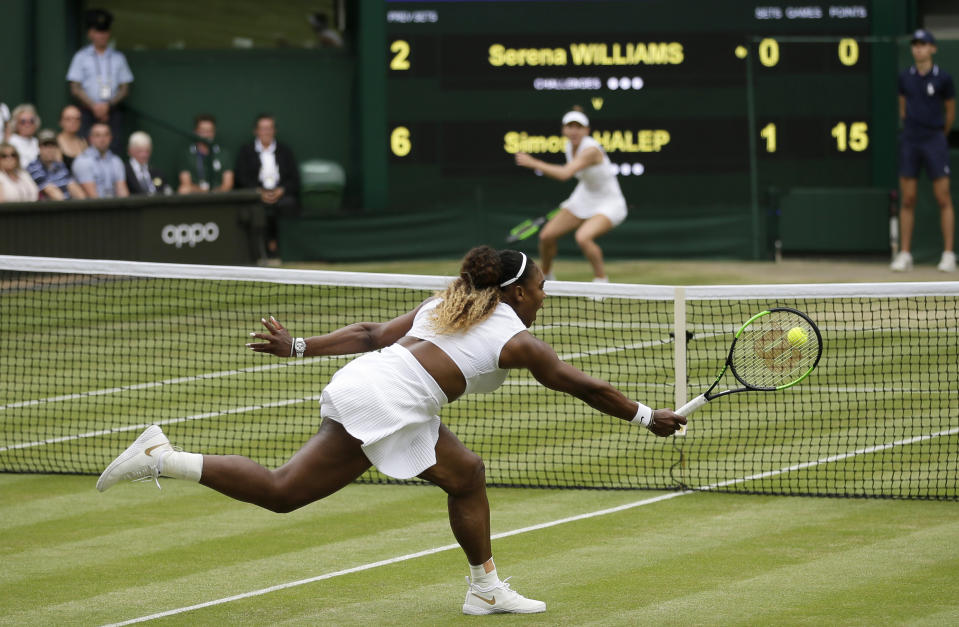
[
  {"x": 528, "y": 228},
  {"x": 774, "y": 350}
]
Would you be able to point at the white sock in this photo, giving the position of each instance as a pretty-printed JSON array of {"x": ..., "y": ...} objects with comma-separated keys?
[
  {"x": 482, "y": 579},
  {"x": 181, "y": 465}
]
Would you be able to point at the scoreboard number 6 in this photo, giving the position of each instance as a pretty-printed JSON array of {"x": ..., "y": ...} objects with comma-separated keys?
[{"x": 400, "y": 142}]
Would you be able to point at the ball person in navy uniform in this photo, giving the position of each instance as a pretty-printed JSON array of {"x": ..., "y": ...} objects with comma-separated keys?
[
  {"x": 382, "y": 409},
  {"x": 927, "y": 108}
]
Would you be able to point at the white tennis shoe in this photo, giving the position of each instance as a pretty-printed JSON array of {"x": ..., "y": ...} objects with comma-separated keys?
[
  {"x": 948, "y": 262},
  {"x": 902, "y": 262},
  {"x": 500, "y": 599},
  {"x": 138, "y": 462}
]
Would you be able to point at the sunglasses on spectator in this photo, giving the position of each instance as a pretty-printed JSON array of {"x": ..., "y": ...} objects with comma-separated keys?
[
  {"x": 8, "y": 154},
  {"x": 28, "y": 120}
]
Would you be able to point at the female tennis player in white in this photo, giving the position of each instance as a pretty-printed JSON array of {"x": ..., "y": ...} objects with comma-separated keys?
[
  {"x": 383, "y": 409},
  {"x": 596, "y": 205}
]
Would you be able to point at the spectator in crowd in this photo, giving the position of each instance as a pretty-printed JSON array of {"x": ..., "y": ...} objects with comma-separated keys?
[
  {"x": 269, "y": 167},
  {"x": 97, "y": 169},
  {"x": 4, "y": 119},
  {"x": 326, "y": 36},
  {"x": 69, "y": 139},
  {"x": 15, "y": 184},
  {"x": 141, "y": 177},
  {"x": 23, "y": 133},
  {"x": 100, "y": 78},
  {"x": 205, "y": 166},
  {"x": 50, "y": 173}
]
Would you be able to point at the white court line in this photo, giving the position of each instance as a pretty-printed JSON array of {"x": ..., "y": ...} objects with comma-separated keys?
[
  {"x": 156, "y": 384},
  {"x": 214, "y": 414},
  {"x": 168, "y": 421},
  {"x": 546, "y": 525},
  {"x": 255, "y": 369}
]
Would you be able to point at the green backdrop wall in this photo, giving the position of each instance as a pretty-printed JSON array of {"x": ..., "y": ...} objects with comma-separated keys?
[{"x": 330, "y": 104}]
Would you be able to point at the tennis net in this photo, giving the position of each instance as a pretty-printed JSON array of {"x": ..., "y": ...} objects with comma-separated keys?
[{"x": 94, "y": 351}]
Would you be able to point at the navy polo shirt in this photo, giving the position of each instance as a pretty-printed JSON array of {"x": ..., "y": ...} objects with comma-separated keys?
[{"x": 925, "y": 96}]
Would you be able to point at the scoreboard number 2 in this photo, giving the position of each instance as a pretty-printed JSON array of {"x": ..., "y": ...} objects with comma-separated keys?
[{"x": 401, "y": 55}]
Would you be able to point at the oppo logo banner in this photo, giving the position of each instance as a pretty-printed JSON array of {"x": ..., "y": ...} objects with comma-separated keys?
[{"x": 190, "y": 234}]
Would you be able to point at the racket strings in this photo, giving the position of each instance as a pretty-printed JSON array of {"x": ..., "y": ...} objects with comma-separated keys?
[{"x": 771, "y": 353}]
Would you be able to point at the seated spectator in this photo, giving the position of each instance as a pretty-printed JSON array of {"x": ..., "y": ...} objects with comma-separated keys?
[
  {"x": 15, "y": 184},
  {"x": 70, "y": 141},
  {"x": 269, "y": 167},
  {"x": 205, "y": 165},
  {"x": 326, "y": 36},
  {"x": 51, "y": 175},
  {"x": 143, "y": 178},
  {"x": 23, "y": 131},
  {"x": 99, "y": 171},
  {"x": 4, "y": 118}
]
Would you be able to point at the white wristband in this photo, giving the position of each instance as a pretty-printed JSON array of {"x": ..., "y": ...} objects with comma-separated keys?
[
  {"x": 299, "y": 347},
  {"x": 644, "y": 415}
]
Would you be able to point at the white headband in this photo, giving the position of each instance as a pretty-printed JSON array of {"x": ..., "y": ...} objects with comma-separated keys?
[
  {"x": 522, "y": 267},
  {"x": 576, "y": 116}
]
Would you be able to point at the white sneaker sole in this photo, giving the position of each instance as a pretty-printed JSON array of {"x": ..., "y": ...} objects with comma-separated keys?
[
  {"x": 472, "y": 610},
  {"x": 106, "y": 480}
]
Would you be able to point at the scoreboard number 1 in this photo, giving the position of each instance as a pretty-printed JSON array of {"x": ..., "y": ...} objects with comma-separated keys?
[{"x": 768, "y": 133}]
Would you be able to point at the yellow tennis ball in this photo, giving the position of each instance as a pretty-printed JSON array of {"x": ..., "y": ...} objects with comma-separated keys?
[{"x": 796, "y": 336}]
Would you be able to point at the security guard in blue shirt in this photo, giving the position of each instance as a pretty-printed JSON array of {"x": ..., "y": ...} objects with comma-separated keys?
[
  {"x": 927, "y": 108},
  {"x": 100, "y": 78}
]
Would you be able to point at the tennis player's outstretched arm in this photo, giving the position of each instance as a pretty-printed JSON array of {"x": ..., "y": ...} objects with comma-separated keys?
[
  {"x": 360, "y": 337},
  {"x": 566, "y": 171},
  {"x": 527, "y": 351}
]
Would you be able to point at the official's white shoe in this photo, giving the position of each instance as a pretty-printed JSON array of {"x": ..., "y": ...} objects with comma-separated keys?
[
  {"x": 549, "y": 276},
  {"x": 138, "y": 462},
  {"x": 902, "y": 262},
  {"x": 500, "y": 599},
  {"x": 948, "y": 262}
]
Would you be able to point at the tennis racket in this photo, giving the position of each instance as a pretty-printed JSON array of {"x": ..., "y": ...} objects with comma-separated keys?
[
  {"x": 528, "y": 228},
  {"x": 774, "y": 350}
]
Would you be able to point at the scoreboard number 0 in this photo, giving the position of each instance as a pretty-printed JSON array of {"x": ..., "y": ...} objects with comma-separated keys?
[{"x": 848, "y": 51}]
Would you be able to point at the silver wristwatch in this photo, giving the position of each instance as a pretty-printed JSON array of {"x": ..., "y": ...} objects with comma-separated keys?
[{"x": 299, "y": 346}]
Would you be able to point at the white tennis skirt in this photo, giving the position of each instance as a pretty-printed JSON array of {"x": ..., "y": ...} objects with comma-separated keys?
[
  {"x": 585, "y": 205},
  {"x": 388, "y": 401}
]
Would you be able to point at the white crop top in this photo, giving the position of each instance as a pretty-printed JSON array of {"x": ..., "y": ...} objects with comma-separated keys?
[
  {"x": 475, "y": 352},
  {"x": 599, "y": 178}
]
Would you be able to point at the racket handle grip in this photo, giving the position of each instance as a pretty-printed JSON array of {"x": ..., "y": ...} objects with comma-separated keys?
[{"x": 692, "y": 405}]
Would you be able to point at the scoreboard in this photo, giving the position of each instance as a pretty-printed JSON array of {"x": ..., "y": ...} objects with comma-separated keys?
[{"x": 700, "y": 104}]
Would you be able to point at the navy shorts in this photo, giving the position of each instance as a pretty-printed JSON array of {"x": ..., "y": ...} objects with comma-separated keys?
[{"x": 931, "y": 152}]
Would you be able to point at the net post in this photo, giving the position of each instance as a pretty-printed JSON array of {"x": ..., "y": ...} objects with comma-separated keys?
[{"x": 679, "y": 347}]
